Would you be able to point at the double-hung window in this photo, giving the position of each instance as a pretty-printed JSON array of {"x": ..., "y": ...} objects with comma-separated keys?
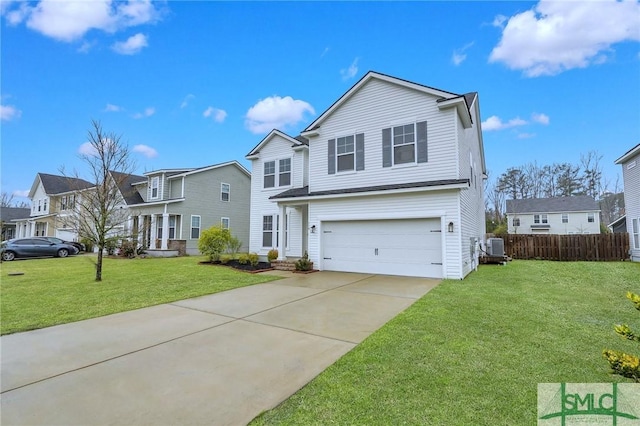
[
  {"x": 591, "y": 217},
  {"x": 155, "y": 185},
  {"x": 404, "y": 144},
  {"x": 635, "y": 230},
  {"x": 225, "y": 191},
  {"x": 267, "y": 231},
  {"x": 277, "y": 173},
  {"x": 540, "y": 218},
  {"x": 271, "y": 229},
  {"x": 565, "y": 218},
  {"x": 269, "y": 174},
  {"x": 284, "y": 172},
  {"x": 195, "y": 227},
  {"x": 225, "y": 222},
  {"x": 172, "y": 227},
  {"x": 345, "y": 153},
  {"x": 516, "y": 221}
]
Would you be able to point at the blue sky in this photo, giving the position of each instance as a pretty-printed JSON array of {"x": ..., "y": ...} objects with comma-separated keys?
[{"x": 189, "y": 84}]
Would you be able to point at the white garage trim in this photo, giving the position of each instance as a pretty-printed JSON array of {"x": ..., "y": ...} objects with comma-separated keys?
[{"x": 370, "y": 264}]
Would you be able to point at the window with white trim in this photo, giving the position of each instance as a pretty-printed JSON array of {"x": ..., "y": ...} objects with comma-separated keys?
[
  {"x": 345, "y": 153},
  {"x": 284, "y": 172},
  {"x": 225, "y": 222},
  {"x": 565, "y": 218},
  {"x": 195, "y": 227},
  {"x": 635, "y": 230},
  {"x": 159, "y": 227},
  {"x": 591, "y": 217},
  {"x": 269, "y": 174},
  {"x": 270, "y": 233},
  {"x": 516, "y": 221},
  {"x": 172, "y": 227},
  {"x": 540, "y": 218},
  {"x": 155, "y": 187},
  {"x": 404, "y": 144},
  {"x": 267, "y": 231},
  {"x": 225, "y": 191}
]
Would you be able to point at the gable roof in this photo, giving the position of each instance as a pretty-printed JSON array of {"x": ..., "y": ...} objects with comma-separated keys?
[
  {"x": 125, "y": 184},
  {"x": 578, "y": 203},
  {"x": 444, "y": 95},
  {"x": 55, "y": 184},
  {"x": 295, "y": 141},
  {"x": 211, "y": 167},
  {"x": 8, "y": 214},
  {"x": 629, "y": 154}
]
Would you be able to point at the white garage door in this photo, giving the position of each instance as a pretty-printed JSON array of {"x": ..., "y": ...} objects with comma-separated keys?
[
  {"x": 411, "y": 247},
  {"x": 66, "y": 235}
]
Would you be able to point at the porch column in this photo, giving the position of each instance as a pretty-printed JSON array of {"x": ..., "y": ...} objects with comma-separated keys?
[
  {"x": 129, "y": 231},
  {"x": 154, "y": 231},
  {"x": 282, "y": 219},
  {"x": 140, "y": 229},
  {"x": 32, "y": 229},
  {"x": 165, "y": 231}
]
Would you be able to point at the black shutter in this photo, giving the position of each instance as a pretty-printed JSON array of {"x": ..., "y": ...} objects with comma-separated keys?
[
  {"x": 360, "y": 151},
  {"x": 331, "y": 158},
  {"x": 421, "y": 131},
  {"x": 386, "y": 147}
]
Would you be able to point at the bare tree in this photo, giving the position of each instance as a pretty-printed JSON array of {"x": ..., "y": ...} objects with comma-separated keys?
[
  {"x": 591, "y": 174},
  {"x": 99, "y": 213},
  {"x": 8, "y": 200}
]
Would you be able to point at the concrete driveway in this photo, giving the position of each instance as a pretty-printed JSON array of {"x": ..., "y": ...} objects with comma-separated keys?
[{"x": 217, "y": 360}]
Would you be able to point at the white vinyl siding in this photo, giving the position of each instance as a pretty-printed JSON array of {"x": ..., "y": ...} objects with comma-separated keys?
[{"x": 364, "y": 112}]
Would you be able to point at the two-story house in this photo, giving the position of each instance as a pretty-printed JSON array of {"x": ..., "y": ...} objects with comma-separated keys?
[
  {"x": 177, "y": 204},
  {"x": 630, "y": 162},
  {"x": 557, "y": 215},
  {"x": 53, "y": 199},
  {"x": 388, "y": 180}
]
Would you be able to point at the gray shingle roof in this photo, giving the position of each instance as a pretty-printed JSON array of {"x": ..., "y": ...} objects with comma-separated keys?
[
  {"x": 54, "y": 184},
  {"x": 125, "y": 184},
  {"x": 304, "y": 191},
  {"x": 8, "y": 214},
  {"x": 578, "y": 203}
]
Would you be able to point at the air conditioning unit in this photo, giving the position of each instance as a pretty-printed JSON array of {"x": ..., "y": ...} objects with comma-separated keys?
[{"x": 495, "y": 247}]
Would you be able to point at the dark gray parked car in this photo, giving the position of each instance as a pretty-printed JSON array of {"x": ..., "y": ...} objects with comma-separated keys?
[
  {"x": 57, "y": 240},
  {"x": 34, "y": 247}
]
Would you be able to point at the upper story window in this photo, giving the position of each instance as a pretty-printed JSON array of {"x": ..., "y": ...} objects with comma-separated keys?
[
  {"x": 68, "y": 202},
  {"x": 277, "y": 173},
  {"x": 565, "y": 218},
  {"x": 406, "y": 144},
  {"x": 45, "y": 205},
  {"x": 346, "y": 154},
  {"x": 155, "y": 187},
  {"x": 39, "y": 205},
  {"x": 225, "y": 191},
  {"x": 284, "y": 177},
  {"x": 591, "y": 217},
  {"x": 540, "y": 218},
  {"x": 516, "y": 221}
]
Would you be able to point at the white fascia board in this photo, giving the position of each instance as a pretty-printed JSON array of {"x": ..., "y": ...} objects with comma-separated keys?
[
  {"x": 157, "y": 203},
  {"x": 629, "y": 155},
  {"x": 461, "y": 107}
]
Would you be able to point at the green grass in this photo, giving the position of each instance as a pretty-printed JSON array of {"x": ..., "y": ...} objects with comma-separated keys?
[
  {"x": 58, "y": 291},
  {"x": 474, "y": 351}
]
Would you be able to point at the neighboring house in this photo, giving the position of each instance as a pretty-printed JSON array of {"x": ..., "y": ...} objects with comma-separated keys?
[
  {"x": 177, "y": 204},
  {"x": 53, "y": 199},
  {"x": 8, "y": 215},
  {"x": 619, "y": 225},
  {"x": 558, "y": 215},
  {"x": 630, "y": 162},
  {"x": 388, "y": 180}
]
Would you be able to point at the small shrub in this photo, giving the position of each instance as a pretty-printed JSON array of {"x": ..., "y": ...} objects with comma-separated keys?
[
  {"x": 213, "y": 242},
  {"x": 304, "y": 264},
  {"x": 128, "y": 249},
  {"x": 88, "y": 244},
  {"x": 234, "y": 245},
  {"x": 272, "y": 255},
  {"x": 623, "y": 364},
  {"x": 226, "y": 258},
  {"x": 253, "y": 259},
  {"x": 110, "y": 246},
  {"x": 243, "y": 259}
]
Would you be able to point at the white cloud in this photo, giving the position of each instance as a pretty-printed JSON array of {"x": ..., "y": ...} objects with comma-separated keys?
[
  {"x": 70, "y": 20},
  {"x": 275, "y": 112},
  {"x": 556, "y": 36},
  {"x": 218, "y": 115},
  {"x": 112, "y": 108},
  {"x": 186, "y": 100},
  {"x": 133, "y": 45},
  {"x": 87, "y": 149},
  {"x": 24, "y": 193},
  {"x": 145, "y": 150},
  {"x": 148, "y": 112},
  {"x": 348, "y": 73},
  {"x": 459, "y": 55},
  {"x": 495, "y": 123},
  {"x": 499, "y": 21},
  {"x": 540, "y": 118},
  {"x": 9, "y": 112}
]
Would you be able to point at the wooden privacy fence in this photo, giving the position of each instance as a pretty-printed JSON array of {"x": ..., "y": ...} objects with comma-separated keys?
[{"x": 591, "y": 247}]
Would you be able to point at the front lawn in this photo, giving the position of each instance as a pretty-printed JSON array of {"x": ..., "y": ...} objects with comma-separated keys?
[
  {"x": 472, "y": 352},
  {"x": 57, "y": 291}
]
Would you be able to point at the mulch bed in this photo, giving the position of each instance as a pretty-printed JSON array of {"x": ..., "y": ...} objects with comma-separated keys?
[{"x": 260, "y": 267}]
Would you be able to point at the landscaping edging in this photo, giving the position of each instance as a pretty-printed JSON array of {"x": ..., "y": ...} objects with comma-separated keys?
[{"x": 260, "y": 267}]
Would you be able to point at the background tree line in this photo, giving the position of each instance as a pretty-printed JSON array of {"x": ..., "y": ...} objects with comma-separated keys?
[{"x": 553, "y": 180}]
